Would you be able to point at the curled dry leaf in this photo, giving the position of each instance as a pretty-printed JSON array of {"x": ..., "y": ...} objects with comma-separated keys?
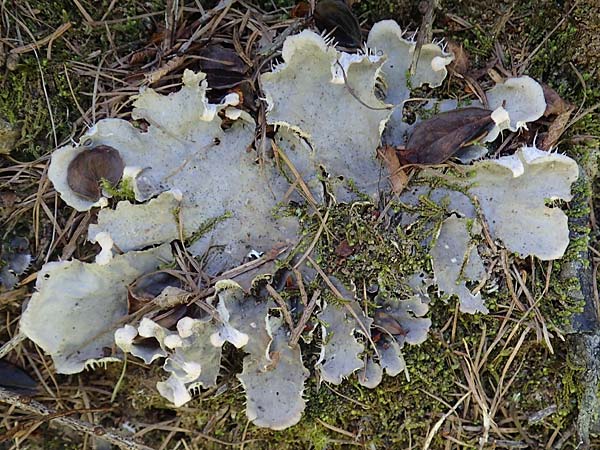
[
  {"x": 435, "y": 140},
  {"x": 335, "y": 17},
  {"x": 562, "y": 109},
  {"x": 90, "y": 167},
  {"x": 460, "y": 64},
  {"x": 556, "y": 129}
]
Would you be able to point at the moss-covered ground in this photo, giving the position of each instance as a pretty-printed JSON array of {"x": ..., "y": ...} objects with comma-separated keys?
[{"x": 531, "y": 394}]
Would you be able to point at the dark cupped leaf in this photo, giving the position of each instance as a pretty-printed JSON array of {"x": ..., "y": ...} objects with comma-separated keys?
[
  {"x": 90, "y": 167},
  {"x": 16, "y": 379},
  {"x": 435, "y": 140},
  {"x": 336, "y": 18}
]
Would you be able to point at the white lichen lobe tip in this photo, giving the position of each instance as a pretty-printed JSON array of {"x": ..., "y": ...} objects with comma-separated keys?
[
  {"x": 106, "y": 242},
  {"x": 185, "y": 327},
  {"x": 131, "y": 172},
  {"x": 439, "y": 63},
  {"x": 500, "y": 116},
  {"x": 173, "y": 341},
  {"x": 231, "y": 99},
  {"x": 124, "y": 337}
]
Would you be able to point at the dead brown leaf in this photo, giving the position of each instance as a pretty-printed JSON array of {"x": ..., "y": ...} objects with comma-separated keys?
[
  {"x": 556, "y": 129},
  {"x": 216, "y": 57},
  {"x": 461, "y": 64},
  {"x": 8, "y": 199},
  {"x": 435, "y": 140},
  {"x": 555, "y": 106},
  {"x": 554, "y": 103},
  {"x": 398, "y": 177},
  {"x": 301, "y": 9},
  {"x": 16, "y": 379},
  {"x": 143, "y": 55},
  {"x": 344, "y": 249}
]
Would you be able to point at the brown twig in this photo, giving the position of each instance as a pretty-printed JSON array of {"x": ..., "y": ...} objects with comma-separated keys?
[
  {"x": 43, "y": 411},
  {"x": 282, "y": 305},
  {"x": 306, "y": 314},
  {"x": 46, "y": 40}
]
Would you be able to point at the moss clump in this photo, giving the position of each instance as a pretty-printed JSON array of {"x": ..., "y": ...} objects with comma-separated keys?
[{"x": 123, "y": 191}]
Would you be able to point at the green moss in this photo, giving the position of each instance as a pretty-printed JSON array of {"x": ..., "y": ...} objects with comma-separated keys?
[
  {"x": 205, "y": 227},
  {"x": 124, "y": 190}
]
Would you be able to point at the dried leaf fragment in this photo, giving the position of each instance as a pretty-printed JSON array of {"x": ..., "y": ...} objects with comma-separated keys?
[
  {"x": 556, "y": 129},
  {"x": 554, "y": 103},
  {"x": 344, "y": 249},
  {"x": 398, "y": 178},
  {"x": 435, "y": 140},
  {"x": 460, "y": 65},
  {"x": 90, "y": 167}
]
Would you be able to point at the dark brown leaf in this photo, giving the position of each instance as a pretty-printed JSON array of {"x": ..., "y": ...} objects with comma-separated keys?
[
  {"x": 216, "y": 57},
  {"x": 90, "y": 167},
  {"x": 335, "y": 17},
  {"x": 143, "y": 55},
  {"x": 224, "y": 68},
  {"x": 170, "y": 318},
  {"x": 435, "y": 140},
  {"x": 16, "y": 379}
]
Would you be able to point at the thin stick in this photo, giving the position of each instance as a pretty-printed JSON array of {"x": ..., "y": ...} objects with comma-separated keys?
[
  {"x": 284, "y": 309},
  {"x": 308, "y": 310},
  {"x": 524, "y": 64},
  {"x": 10, "y": 345},
  {"x": 48, "y": 39},
  {"x": 39, "y": 409},
  {"x": 440, "y": 422},
  {"x": 338, "y": 294},
  {"x": 336, "y": 429}
]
